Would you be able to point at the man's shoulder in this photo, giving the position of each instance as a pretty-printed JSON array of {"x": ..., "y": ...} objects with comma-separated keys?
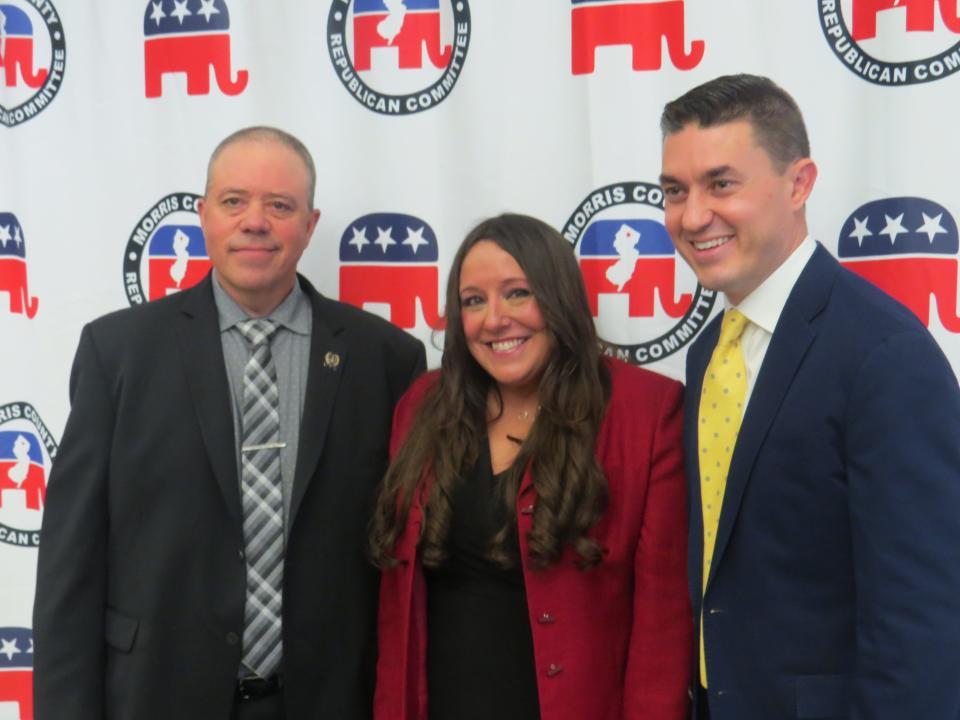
[
  {"x": 862, "y": 310},
  {"x": 134, "y": 333},
  {"x": 860, "y": 324},
  {"x": 139, "y": 317}
]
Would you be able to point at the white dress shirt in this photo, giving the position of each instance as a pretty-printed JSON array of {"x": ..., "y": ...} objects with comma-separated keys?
[{"x": 763, "y": 307}]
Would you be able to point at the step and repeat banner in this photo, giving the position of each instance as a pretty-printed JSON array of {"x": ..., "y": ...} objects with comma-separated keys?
[{"x": 424, "y": 117}]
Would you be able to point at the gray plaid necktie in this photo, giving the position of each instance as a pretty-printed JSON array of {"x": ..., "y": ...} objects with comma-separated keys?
[{"x": 262, "y": 496}]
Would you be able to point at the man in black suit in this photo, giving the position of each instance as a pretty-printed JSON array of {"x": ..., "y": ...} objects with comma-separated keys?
[{"x": 150, "y": 592}]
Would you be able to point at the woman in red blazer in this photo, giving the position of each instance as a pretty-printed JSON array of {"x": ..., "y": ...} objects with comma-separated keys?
[{"x": 532, "y": 524}]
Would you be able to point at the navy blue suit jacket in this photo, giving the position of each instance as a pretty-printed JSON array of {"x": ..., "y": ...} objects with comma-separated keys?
[{"x": 834, "y": 590}]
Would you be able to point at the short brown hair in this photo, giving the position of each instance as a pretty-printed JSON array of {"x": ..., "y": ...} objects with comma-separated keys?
[{"x": 773, "y": 114}]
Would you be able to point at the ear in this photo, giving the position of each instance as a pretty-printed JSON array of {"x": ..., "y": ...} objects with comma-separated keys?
[
  {"x": 312, "y": 223},
  {"x": 201, "y": 208},
  {"x": 803, "y": 175}
]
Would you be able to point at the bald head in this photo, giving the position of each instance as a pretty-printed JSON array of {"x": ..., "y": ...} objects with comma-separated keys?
[{"x": 264, "y": 133}]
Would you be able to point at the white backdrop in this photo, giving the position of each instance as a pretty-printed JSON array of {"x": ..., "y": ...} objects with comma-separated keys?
[{"x": 98, "y": 138}]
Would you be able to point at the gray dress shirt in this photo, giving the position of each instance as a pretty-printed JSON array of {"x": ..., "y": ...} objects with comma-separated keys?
[{"x": 290, "y": 347}]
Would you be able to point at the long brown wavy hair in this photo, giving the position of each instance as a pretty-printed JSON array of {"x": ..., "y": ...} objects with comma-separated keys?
[{"x": 450, "y": 425}]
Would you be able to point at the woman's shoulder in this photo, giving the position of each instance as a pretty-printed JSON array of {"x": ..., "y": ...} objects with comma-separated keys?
[
  {"x": 418, "y": 389},
  {"x": 405, "y": 413},
  {"x": 628, "y": 380},
  {"x": 641, "y": 402}
]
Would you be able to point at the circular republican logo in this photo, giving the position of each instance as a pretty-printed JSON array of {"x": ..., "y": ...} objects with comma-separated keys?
[
  {"x": 398, "y": 57},
  {"x": 647, "y": 305},
  {"x": 166, "y": 251},
  {"x": 890, "y": 42},
  {"x": 27, "y": 450},
  {"x": 33, "y": 58}
]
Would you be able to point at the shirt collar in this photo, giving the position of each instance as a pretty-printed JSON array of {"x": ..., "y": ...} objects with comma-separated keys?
[
  {"x": 293, "y": 313},
  {"x": 764, "y": 305}
]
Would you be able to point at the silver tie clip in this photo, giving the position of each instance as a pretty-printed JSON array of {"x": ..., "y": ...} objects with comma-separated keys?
[{"x": 264, "y": 446}]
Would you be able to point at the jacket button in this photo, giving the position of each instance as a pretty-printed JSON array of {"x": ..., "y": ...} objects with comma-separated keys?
[
  {"x": 553, "y": 670},
  {"x": 232, "y": 638},
  {"x": 241, "y": 555},
  {"x": 716, "y": 611},
  {"x": 546, "y": 619}
]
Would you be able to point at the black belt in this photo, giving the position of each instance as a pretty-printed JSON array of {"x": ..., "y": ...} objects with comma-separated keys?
[{"x": 253, "y": 688}]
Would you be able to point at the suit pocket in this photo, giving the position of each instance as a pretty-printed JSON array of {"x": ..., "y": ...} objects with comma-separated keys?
[
  {"x": 120, "y": 630},
  {"x": 822, "y": 697}
]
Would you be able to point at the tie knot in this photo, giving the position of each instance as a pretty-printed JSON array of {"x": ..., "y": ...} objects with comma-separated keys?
[
  {"x": 732, "y": 327},
  {"x": 258, "y": 331}
]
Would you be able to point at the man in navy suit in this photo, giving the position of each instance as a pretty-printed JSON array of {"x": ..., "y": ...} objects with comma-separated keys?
[
  {"x": 833, "y": 586},
  {"x": 147, "y": 552}
]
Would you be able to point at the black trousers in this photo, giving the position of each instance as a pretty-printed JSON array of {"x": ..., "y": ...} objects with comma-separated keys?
[{"x": 265, "y": 708}]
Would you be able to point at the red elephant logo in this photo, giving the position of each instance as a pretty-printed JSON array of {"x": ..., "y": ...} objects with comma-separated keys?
[
  {"x": 190, "y": 37},
  {"x": 16, "y": 48},
  {"x": 16, "y": 669},
  {"x": 920, "y": 15},
  {"x": 177, "y": 259},
  {"x": 411, "y": 26},
  {"x": 22, "y": 469},
  {"x": 632, "y": 257},
  {"x": 397, "y": 268},
  {"x": 641, "y": 25},
  {"x": 13, "y": 266},
  {"x": 908, "y": 247}
]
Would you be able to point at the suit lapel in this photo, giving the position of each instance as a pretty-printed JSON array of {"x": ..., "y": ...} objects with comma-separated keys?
[
  {"x": 792, "y": 337},
  {"x": 697, "y": 360},
  {"x": 198, "y": 332},
  {"x": 328, "y": 358}
]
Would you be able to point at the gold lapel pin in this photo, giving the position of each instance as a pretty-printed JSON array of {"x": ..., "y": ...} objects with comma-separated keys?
[{"x": 331, "y": 360}]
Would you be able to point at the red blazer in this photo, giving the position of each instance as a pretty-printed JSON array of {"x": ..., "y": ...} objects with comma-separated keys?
[{"x": 611, "y": 643}]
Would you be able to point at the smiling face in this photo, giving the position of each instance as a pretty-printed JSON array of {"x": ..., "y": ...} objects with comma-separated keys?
[
  {"x": 732, "y": 216},
  {"x": 502, "y": 323},
  {"x": 257, "y": 221}
]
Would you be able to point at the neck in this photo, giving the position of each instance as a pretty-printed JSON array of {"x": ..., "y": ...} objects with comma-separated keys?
[
  {"x": 517, "y": 401},
  {"x": 255, "y": 304}
]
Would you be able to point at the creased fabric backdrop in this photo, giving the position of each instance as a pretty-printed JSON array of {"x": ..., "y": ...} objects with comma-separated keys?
[{"x": 424, "y": 117}]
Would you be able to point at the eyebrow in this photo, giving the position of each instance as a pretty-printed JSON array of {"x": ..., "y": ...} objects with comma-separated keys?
[
  {"x": 267, "y": 195},
  {"x": 717, "y": 172},
  {"x": 510, "y": 281},
  {"x": 710, "y": 174}
]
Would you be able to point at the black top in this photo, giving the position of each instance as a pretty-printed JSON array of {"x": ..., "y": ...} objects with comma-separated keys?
[{"x": 480, "y": 661}]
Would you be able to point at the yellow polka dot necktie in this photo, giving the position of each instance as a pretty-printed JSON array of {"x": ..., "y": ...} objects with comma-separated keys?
[{"x": 721, "y": 409}]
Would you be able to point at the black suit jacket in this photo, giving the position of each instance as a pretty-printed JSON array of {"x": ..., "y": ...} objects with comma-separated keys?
[
  {"x": 834, "y": 589},
  {"x": 141, "y": 578}
]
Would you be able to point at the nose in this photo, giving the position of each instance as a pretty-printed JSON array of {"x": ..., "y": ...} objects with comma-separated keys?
[
  {"x": 696, "y": 212},
  {"x": 255, "y": 219},
  {"x": 495, "y": 319}
]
